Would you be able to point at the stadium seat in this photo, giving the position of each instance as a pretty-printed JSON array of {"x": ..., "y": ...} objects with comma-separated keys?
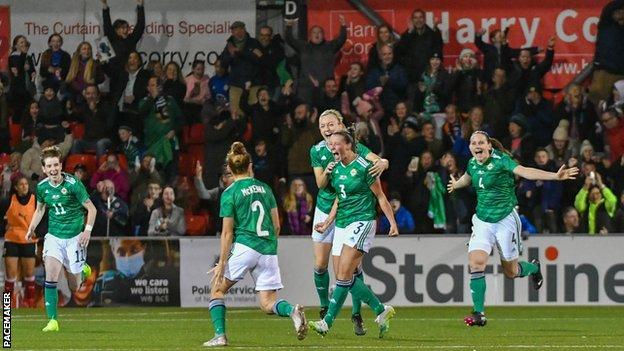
[
  {"x": 78, "y": 130},
  {"x": 197, "y": 152},
  {"x": 196, "y": 224},
  {"x": 89, "y": 161},
  {"x": 5, "y": 159},
  {"x": 194, "y": 134},
  {"x": 123, "y": 162},
  {"x": 16, "y": 134},
  {"x": 186, "y": 166}
]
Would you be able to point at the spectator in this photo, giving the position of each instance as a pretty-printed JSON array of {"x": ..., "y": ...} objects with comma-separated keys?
[
  {"x": 403, "y": 217},
  {"x": 434, "y": 87},
  {"x": 112, "y": 214},
  {"x": 9, "y": 173},
  {"x": 389, "y": 75},
  {"x": 272, "y": 60},
  {"x": 497, "y": 53},
  {"x": 128, "y": 87},
  {"x": 528, "y": 73},
  {"x": 434, "y": 145},
  {"x": 452, "y": 127},
  {"x": 167, "y": 220},
  {"x": 618, "y": 218},
  {"x": 596, "y": 203},
  {"x": 608, "y": 63},
  {"x": 142, "y": 211},
  {"x": 83, "y": 71},
  {"x": 316, "y": 57},
  {"x": 571, "y": 221},
  {"x": 581, "y": 115},
  {"x": 264, "y": 116},
  {"x": 417, "y": 45},
  {"x": 118, "y": 33},
  {"x": 129, "y": 146},
  {"x": 299, "y": 134},
  {"x": 51, "y": 111},
  {"x": 54, "y": 61},
  {"x": 458, "y": 206},
  {"x": 401, "y": 112},
  {"x": 366, "y": 137},
  {"x": 549, "y": 194},
  {"x": 498, "y": 103},
  {"x": 420, "y": 193},
  {"x": 242, "y": 55},
  {"x": 299, "y": 205},
  {"x": 403, "y": 149},
  {"x": 561, "y": 149},
  {"x": 21, "y": 76},
  {"x": 110, "y": 170},
  {"x": 174, "y": 83},
  {"x": 141, "y": 177},
  {"x": 538, "y": 111},
  {"x": 520, "y": 142},
  {"x": 466, "y": 80},
  {"x": 220, "y": 84},
  {"x": 155, "y": 68},
  {"x": 31, "y": 159},
  {"x": 221, "y": 131},
  {"x": 384, "y": 36},
  {"x": 352, "y": 86},
  {"x": 197, "y": 92},
  {"x": 371, "y": 112},
  {"x": 31, "y": 124},
  {"x": 5, "y": 135},
  {"x": 213, "y": 195},
  {"x": 82, "y": 174},
  {"x": 99, "y": 120},
  {"x": 161, "y": 125},
  {"x": 475, "y": 122},
  {"x": 614, "y": 132},
  {"x": 264, "y": 163},
  {"x": 326, "y": 98}
]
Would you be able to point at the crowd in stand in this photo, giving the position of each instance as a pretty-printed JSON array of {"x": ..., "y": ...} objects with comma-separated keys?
[{"x": 151, "y": 147}]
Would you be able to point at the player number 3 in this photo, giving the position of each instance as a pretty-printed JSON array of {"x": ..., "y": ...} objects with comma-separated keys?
[{"x": 257, "y": 206}]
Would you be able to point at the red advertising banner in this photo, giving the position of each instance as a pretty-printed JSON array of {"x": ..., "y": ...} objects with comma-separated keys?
[
  {"x": 530, "y": 23},
  {"x": 5, "y": 36}
]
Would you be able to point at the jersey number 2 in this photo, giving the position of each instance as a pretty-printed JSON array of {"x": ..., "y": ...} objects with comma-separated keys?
[
  {"x": 58, "y": 209},
  {"x": 257, "y": 206}
]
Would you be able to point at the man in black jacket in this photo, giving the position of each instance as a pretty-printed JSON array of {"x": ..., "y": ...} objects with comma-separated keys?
[
  {"x": 526, "y": 72},
  {"x": 272, "y": 55},
  {"x": 119, "y": 36}
]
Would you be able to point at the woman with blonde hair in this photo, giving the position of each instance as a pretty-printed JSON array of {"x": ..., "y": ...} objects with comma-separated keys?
[
  {"x": 83, "y": 70},
  {"x": 298, "y": 204}
]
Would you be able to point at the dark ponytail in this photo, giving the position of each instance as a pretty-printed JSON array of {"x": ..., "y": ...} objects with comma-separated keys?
[{"x": 496, "y": 144}]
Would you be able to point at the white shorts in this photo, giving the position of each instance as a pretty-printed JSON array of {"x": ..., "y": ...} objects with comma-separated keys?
[
  {"x": 264, "y": 269},
  {"x": 328, "y": 236},
  {"x": 358, "y": 235},
  {"x": 67, "y": 251},
  {"x": 505, "y": 234},
  {"x": 340, "y": 235}
]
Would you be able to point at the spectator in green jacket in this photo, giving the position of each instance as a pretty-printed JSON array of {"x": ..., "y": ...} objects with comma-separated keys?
[{"x": 597, "y": 204}]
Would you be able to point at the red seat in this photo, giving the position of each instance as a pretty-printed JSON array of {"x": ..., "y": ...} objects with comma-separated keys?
[
  {"x": 197, "y": 152},
  {"x": 78, "y": 130},
  {"x": 196, "y": 224},
  {"x": 186, "y": 166},
  {"x": 89, "y": 161},
  {"x": 123, "y": 162},
  {"x": 195, "y": 134},
  {"x": 5, "y": 159},
  {"x": 16, "y": 134}
]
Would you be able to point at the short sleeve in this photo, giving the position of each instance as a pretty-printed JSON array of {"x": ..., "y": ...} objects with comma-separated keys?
[
  {"x": 314, "y": 158},
  {"x": 39, "y": 194},
  {"x": 369, "y": 178},
  {"x": 469, "y": 167},
  {"x": 80, "y": 192},
  {"x": 227, "y": 205},
  {"x": 362, "y": 150},
  {"x": 271, "y": 199},
  {"x": 508, "y": 163}
]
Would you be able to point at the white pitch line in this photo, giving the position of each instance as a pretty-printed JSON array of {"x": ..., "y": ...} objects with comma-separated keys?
[{"x": 377, "y": 347}]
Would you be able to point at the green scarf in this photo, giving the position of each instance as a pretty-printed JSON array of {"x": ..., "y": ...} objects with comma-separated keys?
[{"x": 436, "y": 210}]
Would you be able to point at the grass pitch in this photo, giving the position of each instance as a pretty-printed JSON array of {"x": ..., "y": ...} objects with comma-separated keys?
[{"x": 415, "y": 328}]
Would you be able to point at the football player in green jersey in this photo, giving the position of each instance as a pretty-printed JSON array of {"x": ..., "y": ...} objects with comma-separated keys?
[
  {"x": 65, "y": 245},
  {"x": 491, "y": 171},
  {"x": 250, "y": 229},
  {"x": 357, "y": 193},
  {"x": 326, "y": 243}
]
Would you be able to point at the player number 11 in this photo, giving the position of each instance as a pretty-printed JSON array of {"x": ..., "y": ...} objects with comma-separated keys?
[{"x": 58, "y": 209}]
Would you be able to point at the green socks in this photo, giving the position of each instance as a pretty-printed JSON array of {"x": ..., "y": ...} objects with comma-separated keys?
[
  {"x": 477, "y": 289},
  {"x": 357, "y": 303},
  {"x": 525, "y": 269},
  {"x": 282, "y": 308},
  {"x": 363, "y": 293},
  {"x": 338, "y": 298},
  {"x": 217, "y": 315},
  {"x": 51, "y": 299},
  {"x": 321, "y": 282}
]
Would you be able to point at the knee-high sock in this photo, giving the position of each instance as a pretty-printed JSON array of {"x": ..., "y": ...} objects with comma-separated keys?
[
  {"x": 321, "y": 282},
  {"x": 526, "y": 268},
  {"x": 217, "y": 315},
  {"x": 29, "y": 283},
  {"x": 9, "y": 285},
  {"x": 366, "y": 295},
  {"x": 477, "y": 289},
  {"x": 337, "y": 300},
  {"x": 357, "y": 302},
  {"x": 282, "y": 308},
  {"x": 51, "y": 299}
]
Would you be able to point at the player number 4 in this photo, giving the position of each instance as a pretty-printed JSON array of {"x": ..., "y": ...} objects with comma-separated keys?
[
  {"x": 481, "y": 183},
  {"x": 257, "y": 206}
]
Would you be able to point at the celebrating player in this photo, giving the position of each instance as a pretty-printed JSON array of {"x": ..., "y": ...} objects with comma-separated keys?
[
  {"x": 250, "y": 220},
  {"x": 354, "y": 210},
  {"x": 65, "y": 245},
  {"x": 491, "y": 171},
  {"x": 322, "y": 161}
]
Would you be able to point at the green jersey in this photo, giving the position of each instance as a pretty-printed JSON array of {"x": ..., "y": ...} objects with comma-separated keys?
[
  {"x": 356, "y": 201},
  {"x": 321, "y": 156},
  {"x": 495, "y": 184},
  {"x": 249, "y": 202},
  {"x": 66, "y": 213}
]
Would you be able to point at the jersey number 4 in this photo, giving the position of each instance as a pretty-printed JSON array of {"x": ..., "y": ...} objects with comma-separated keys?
[
  {"x": 257, "y": 206},
  {"x": 481, "y": 183}
]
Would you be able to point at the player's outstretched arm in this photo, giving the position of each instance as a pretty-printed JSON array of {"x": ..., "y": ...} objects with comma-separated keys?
[
  {"x": 455, "y": 184},
  {"x": 85, "y": 236},
  {"x": 39, "y": 213},
  {"x": 385, "y": 207},
  {"x": 537, "y": 174},
  {"x": 322, "y": 226}
]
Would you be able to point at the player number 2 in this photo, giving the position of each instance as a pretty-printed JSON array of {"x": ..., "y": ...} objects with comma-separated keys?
[
  {"x": 481, "y": 183},
  {"x": 342, "y": 191},
  {"x": 80, "y": 256},
  {"x": 58, "y": 209},
  {"x": 257, "y": 206}
]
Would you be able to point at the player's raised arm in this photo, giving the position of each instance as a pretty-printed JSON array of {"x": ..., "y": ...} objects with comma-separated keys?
[
  {"x": 39, "y": 212},
  {"x": 455, "y": 184},
  {"x": 537, "y": 174},
  {"x": 84, "y": 237}
]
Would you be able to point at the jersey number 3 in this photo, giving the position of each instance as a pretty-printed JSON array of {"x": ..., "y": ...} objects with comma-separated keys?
[
  {"x": 257, "y": 206},
  {"x": 342, "y": 191}
]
